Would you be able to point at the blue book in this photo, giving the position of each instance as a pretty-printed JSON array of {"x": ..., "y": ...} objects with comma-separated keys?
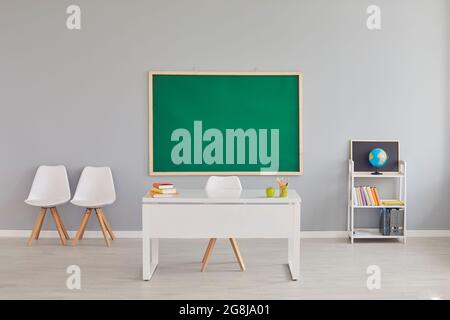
[{"x": 385, "y": 226}]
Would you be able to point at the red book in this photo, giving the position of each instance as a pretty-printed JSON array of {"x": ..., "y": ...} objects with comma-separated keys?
[{"x": 162, "y": 185}]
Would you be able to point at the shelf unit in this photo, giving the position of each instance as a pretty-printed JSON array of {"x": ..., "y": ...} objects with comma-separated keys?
[{"x": 363, "y": 233}]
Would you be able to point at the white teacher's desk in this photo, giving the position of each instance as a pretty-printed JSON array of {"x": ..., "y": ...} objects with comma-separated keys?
[{"x": 196, "y": 214}]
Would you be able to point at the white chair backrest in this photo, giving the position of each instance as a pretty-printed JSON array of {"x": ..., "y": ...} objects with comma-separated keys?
[
  {"x": 50, "y": 183},
  {"x": 96, "y": 184},
  {"x": 227, "y": 187}
]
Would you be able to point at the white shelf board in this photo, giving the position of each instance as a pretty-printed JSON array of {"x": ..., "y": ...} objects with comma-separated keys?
[
  {"x": 372, "y": 234},
  {"x": 384, "y": 175},
  {"x": 379, "y": 207}
]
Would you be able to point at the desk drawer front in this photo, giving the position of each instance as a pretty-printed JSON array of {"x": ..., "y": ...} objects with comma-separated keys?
[{"x": 218, "y": 220}]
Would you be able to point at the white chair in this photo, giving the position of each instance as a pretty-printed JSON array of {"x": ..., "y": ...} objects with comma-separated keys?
[
  {"x": 223, "y": 187},
  {"x": 50, "y": 188},
  {"x": 95, "y": 190}
]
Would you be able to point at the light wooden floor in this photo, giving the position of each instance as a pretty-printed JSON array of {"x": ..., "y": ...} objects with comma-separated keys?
[{"x": 330, "y": 269}]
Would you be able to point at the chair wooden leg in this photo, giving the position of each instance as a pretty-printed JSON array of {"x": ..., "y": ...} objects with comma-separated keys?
[
  {"x": 237, "y": 253},
  {"x": 37, "y": 226},
  {"x": 41, "y": 222},
  {"x": 207, "y": 250},
  {"x": 208, "y": 254},
  {"x": 58, "y": 226},
  {"x": 103, "y": 227},
  {"x": 62, "y": 225},
  {"x": 83, "y": 225},
  {"x": 88, "y": 212},
  {"x": 108, "y": 227}
]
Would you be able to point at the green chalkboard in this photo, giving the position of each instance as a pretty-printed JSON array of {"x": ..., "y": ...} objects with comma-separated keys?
[{"x": 225, "y": 123}]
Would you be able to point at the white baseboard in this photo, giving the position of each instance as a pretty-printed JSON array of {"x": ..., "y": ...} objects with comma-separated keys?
[
  {"x": 427, "y": 233},
  {"x": 137, "y": 234},
  {"x": 50, "y": 234},
  {"x": 323, "y": 234}
]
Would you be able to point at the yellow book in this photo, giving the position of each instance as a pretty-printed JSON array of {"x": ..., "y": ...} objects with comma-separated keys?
[
  {"x": 393, "y": 202},
  {"x": 155, "y": 190},
  {"x": 164, "y": 191},
  {"x": 161, "y": 195}
]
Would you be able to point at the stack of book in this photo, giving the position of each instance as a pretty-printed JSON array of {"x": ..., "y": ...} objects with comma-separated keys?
[
  {"x": 163, "y": 190},
  {"x": 366, "y": 196}
]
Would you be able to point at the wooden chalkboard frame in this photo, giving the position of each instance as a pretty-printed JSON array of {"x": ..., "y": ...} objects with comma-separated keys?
[
  {"x": 396, "y": 168},
  {"x": 223, "y": 173}
]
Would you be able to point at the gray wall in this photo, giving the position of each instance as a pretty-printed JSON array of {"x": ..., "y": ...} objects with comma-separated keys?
[{"x": 80, "y": 97}]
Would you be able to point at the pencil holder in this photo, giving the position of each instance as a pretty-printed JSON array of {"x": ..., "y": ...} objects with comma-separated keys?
[{"x": 283, "y": 191}]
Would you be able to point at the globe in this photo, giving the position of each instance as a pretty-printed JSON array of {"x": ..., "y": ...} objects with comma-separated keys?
[{"x": 378, "y": 157}]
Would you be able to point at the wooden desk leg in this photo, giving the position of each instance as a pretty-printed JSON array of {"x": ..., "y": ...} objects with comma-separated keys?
[{"x": 149, "y": 257}]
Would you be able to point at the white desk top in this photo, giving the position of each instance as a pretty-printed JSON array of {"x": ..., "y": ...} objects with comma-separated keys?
[{"x": 246, "y": 196}]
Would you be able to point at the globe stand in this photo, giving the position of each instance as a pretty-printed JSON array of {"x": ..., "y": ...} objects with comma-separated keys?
[{"x": 377, "y": 173}]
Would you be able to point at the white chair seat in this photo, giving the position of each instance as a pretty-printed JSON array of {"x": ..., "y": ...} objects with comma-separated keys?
[
  {"x": 91, "y": 203},
  {"x": 50, "y": 187},
  {"x": 46, "y": 203},
  {"x": 95, "y": 188}
]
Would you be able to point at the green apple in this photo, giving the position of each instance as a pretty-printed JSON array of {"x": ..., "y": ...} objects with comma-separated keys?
[{"x": 270, "y": 192}]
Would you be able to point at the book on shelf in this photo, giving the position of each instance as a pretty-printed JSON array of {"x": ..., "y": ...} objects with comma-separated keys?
[
  {"x": 375, "y": 194},
  {"x": 369, "y": 196},
  {"x": 162, "y": 190},
  {"x": 384, "y": 222},
  {"x": 363, "y": 196},
  {"x": 396, "y": 221},
  {"x": 366, "y": 196},
  {"x": 392, "y": 202},
  {"x": 358, "y": 197}
]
